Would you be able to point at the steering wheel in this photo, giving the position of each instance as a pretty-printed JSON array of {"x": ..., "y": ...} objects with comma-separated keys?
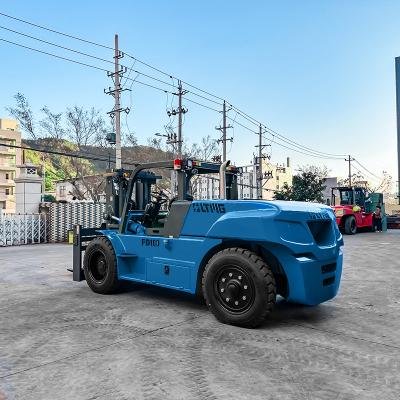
[
  {"x": 153, "y": 208},
  {"x": 160, "y": 197}
]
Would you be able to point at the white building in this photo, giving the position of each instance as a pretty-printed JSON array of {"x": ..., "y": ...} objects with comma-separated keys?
[
  {"x": 327, "y": 193},
  {"x": 275, "y": 176},
  {"x": 82, "y": 189}
]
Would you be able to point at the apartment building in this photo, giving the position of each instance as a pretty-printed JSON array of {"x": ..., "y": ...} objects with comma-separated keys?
[{"x": 10, "y": 159}]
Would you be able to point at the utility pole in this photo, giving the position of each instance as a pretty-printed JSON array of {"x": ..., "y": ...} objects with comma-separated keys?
[
  {"x": 261, "y": 156},
  {"x": 117, "y": 96},
  {"x": 223, "y": 129},
  {"x": 115, "y": 113},
  {"x": 180, "y": 110},
  {"x": 350, "y": 159}
]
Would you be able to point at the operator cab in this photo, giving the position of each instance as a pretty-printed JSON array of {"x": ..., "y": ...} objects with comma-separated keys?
[
  {"x": 139, "y": 205},
  {"x": 350, "y": 196}
]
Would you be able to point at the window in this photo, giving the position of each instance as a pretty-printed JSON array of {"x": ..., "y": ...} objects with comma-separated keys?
[
  {"x": 7, "y": 176},
  {"x": 62, "y": 191},
  {"x": 9, "y": 191}
]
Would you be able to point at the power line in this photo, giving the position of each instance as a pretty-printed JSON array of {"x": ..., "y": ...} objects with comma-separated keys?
[
  {"x": 302, "y": 152},
  {"x": 166, "y": 91},
  {"x": 54, "y": 55},
  {"x": 302, "y": 146},
  {"x": 44, "y": 149},
  {"x": 108, "y": 48},
  {"x": 303, "y": 149},
  {"x": 284, "y": 138},
  {"x": 58, "y": 32},
  {"x": 200, "y": 104},
  {"x": 362, "y": 166},
  {"x": 250, "y": 119},
  {"x": 306, "y": 149},
  {"x": 81, "y": 53},
  {"x": 77, "y": 62},
  {"x": 59, "y": 153},
  {"x": 56, "y": 45}
]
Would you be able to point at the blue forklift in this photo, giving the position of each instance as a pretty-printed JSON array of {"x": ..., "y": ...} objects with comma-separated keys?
[{"x": 238, "y": 254}]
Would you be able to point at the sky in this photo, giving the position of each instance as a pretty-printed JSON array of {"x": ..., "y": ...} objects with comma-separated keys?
[{"x": 321, "y": 73}]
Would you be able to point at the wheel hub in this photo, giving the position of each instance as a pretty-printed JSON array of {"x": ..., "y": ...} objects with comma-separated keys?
[
  {"x": 101, "y": 267},
  {"x": 235, "y": 289},
  {"x": 98, "y": 266}
]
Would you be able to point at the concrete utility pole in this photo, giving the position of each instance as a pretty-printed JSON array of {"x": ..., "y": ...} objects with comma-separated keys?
[
  {"x": 180, "y": 111},
  {"x": 397, "y": 66},
  {"x": 117, "y": 95},
  {"x": 116, "y": 111},
  {"x": 223, "y": 129},
  {"x": 260, "y": 158},
  {"x": 350, "y": 159},
  {"x": 260, "y": 175},
  {"x": 171, "y": 137}
]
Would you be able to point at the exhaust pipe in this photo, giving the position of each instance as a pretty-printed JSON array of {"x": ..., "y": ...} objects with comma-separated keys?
[{"x": 222, "y": 179}]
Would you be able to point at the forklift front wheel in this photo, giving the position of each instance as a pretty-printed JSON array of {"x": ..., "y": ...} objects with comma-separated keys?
[
  {"x": 100, "y": 267},
  {"x": 239, "y": 287},
  {"x": 350, "y": 225}
]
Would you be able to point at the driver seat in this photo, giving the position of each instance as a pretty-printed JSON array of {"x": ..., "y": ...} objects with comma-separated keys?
[{"x": 173, "y": 223}]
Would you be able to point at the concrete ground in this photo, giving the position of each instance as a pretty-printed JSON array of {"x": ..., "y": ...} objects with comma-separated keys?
[{"x": 59, "y": 340}]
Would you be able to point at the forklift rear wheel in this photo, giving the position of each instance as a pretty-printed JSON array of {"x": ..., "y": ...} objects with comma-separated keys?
[
  {"x": 350, "y": 226},
  {"x": 100, "y": 267},
  {"x": 239, "y": 287}
]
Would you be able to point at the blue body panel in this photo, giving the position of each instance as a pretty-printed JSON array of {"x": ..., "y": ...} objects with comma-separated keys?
[{"x": 303, "y": 237}]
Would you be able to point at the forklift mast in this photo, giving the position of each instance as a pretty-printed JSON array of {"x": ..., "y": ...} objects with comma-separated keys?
[{"x": 116, "y": 191}]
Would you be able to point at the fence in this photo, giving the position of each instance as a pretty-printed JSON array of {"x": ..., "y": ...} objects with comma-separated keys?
[
  {"x": 63, "y": 217},
  {"x": 207, "y": 187},
  {"x": 16, "y": 229}
]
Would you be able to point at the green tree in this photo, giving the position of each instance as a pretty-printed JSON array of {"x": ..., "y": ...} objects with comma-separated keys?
[
  {"x": 308, "y": 185},
  {"x": 71, "y": 131}
]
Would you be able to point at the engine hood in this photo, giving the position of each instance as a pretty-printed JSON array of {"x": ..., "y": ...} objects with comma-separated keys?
[{"x": 232, "y": 218}]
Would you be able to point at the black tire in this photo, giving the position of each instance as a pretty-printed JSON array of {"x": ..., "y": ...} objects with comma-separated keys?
[
  {"x": 246, "y": 281},
  {"x": 100, "y": 266},
  {"x": 350, "y": 226}
]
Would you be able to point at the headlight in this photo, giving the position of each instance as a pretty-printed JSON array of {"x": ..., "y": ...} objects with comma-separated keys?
[{"x": 339, "y": 212}]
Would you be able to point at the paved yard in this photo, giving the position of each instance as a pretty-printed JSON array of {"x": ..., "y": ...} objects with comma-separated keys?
[{"x": 59, "y": 340}]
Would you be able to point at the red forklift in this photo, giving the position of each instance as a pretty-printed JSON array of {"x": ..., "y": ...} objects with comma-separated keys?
[{"x": 355, "y": 211}]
